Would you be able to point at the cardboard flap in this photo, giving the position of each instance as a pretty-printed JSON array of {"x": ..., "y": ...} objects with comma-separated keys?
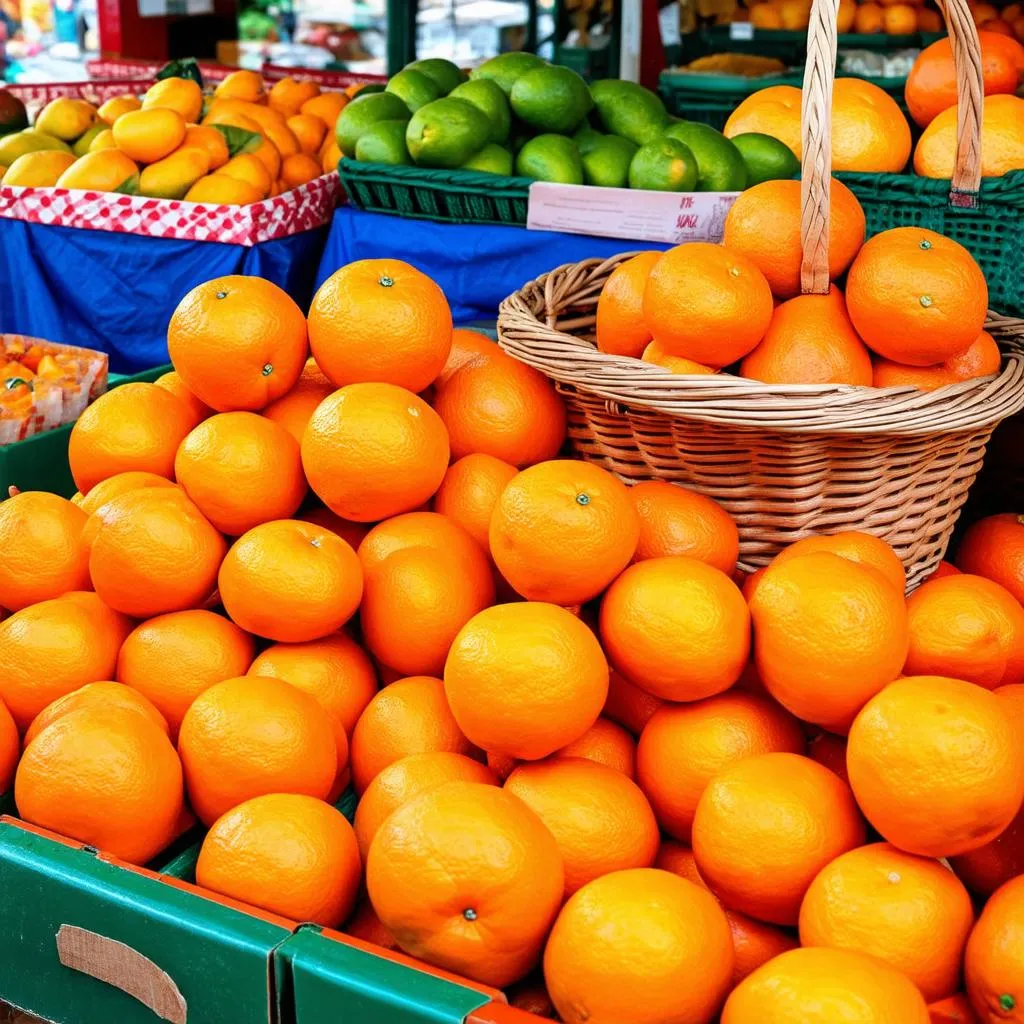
[{"x": 126, "y": 969}]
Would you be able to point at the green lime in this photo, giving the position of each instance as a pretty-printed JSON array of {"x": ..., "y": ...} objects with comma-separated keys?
[
  {"x": 446, "y": 133},
  {"x": 488, "y": 97},
  {"x": 664, "y": 165},
  {"x": 364, "y": 112},
  {"x": 550, "y": 158},
  {"x": 383, "y": 143},
  {"x": 767, "y": 158},
  {"x": 506, "y": 68},
  {"x": 492, "y": 159},
  {"x": 413, "y": 88},
  {"x": 445, "y": 74},
  {"x": 585, "y": 138},
  {"x": 551, "y": 99},
  {"x": 720, "y": 167},
  {"x": 629, "y": 110},
  {"x": 607, "y": 161}
]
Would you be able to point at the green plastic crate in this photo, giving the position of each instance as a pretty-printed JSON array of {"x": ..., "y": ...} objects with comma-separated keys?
[
  {"x": 788, "y": 47},
  {"x": 590, "y": 63},
  {"x": 711, "y": 98}
]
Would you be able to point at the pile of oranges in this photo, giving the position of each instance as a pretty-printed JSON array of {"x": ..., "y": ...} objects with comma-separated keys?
[
  {"x": 863, "y": 17},
  {"x": 598, "y": 750}
]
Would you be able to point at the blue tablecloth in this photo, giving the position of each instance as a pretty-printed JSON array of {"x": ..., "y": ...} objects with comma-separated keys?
[
  {"x": 116, "y": 292},
  {"x": 476, "y": 265}
]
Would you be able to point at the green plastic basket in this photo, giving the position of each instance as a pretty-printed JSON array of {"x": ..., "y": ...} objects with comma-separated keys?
[
  {"x": 453, "y": 197},
  {"x": 709, "y": 98}
]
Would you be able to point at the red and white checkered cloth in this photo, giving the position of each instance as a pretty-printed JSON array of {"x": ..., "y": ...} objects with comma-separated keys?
[
  {"x": 95, "y": 91},
  {"x": 115, "y": 67},
  {"x": 300, "y": 209}
]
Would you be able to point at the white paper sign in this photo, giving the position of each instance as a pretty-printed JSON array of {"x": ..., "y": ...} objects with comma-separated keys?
[
  {"x": 741, "y": 30},
  {"x": 673, "y": 217}
]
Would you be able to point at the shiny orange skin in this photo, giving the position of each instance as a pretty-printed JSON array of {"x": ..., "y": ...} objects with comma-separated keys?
[
  {"x": 676, "y": 626},
  {"x": 10, "y": 748},
  {"x": 684, "y": 746},
  {"x": 415, "y": 530},
  {"x": 294, "y": 409},
  {"x": 380, "y": 321},
  {"x": 766, "y": 826},
  {"x": 172, "y": 381},
  {"x": 1013, "y": 702},
  {"x": 287, "y": 853},
  {"x": 241, "y": 470},
  {"x": 481, "y": 908},
  {"x": 171, "y": 659},
  {"x": 982, "y": 359},
  {"x": 562, "y": 531},
  {"x": 909, "y": 912},
  {"x": 936, "y": 765},
  {"x": 830, "y": 751},
  {"x": 628, "y": 704},
  {"x": 364, "y": 924},
  {"x": 600, "y": 819},
  {"x": 119, "y": 483},
  {"x": 621, "y": 330},
  {"x": 245, "y": 737},
  {"x": 106, "y": 777},
  {"x": 956, "y": 1009},
  {"x": 469, "y": 347},
  {"x": 469, "y": 493},
  {"x": 238, "y": 342},
  {"x": 606, "y": 743},
  {"x": 707, "y": 303},
  {"x": 764, "y": 225},
  {"x": 409, "y": 716},
  {"x": 812, "y": 645},
  {"x": 1002, "y": 140},
  {"x": 351, "y": 533},
  {"x": 133, "y": 427},
  {"x": 371, "y": 451},
  {"x": 290, "y": 581},
  {"x": 623, "y": 945},
  {"x": 97, "y": 695},
  {"x": 678, "y": 521},
  {"x": 987, "y": 868},
  {"x": 504, "y": 408},
  {"x": 525, "y": 679},
  {"x": 994, "y": 962},
  {"x": 966, "y": 627},
  {"x": 994, "y": 548},
  {"x": 823, "y": 986},
  {"x": 854, "y": 546},
  {"x": 41, "y": 538}
]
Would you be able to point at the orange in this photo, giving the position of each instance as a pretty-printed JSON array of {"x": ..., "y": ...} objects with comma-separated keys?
[
  {"x": 674, "y": 364},
  {"x": 765, "y": 15},
  {"x": 326, "y": 106},
  {"x": 467, "y": 878},
  {"x": 677, "y": 521},
  {"x": 994, "y": 963},
  {"x": 707, "y": 303},
  {"x": 606, "y": 743},
  {"x": 956, "y": 1009},
  {"x": 628, "y": 704},
  {"x": 290, "y": 581},
  {"x": 364, "y": 924},
  {"x": 931, "y": 84},
  {"x": 1013, "y": 701},
  {"x": 764, "y": 225},
  {"x": 966, "y": 627},
  {"x": 772, "y": 111},
  {"x": 237, "y": 342},
  {"x": 210, "y": 141},
  {"x": 679, "y": 859},
  {"x": 928, "y": 21},
  {"x": 468, "y": 347},
  {"x": 287, "y": 853},
  {"x": 531, "y": 996},
  {"x": 309, "y": 130},
  {"x": 622, "y": 944},
  {"x": 854, "y": 546},
  {"x": 503, "y": 408},
  {"x": 287, "y": 95},
  {"x": 173, "y": 658},
  {"x": 683, "y": 747},
  {"x": 600, "y": 819},
  {"x": 119, "y": 483},
  {"x": 525, "y": 679},
  {"x": 411, "y": 716},
  {"x": 621, "y": 330},
  {"x": 829, "y": 633},
  {"x": 562, "y": 531},
  {"x": 829, "y": 750},
  {"x": 944, "y": 569},
  {"x": 415, "y": 530},
  {"x": 242, "y": 85},
  {"x": 677, "y": 627},
  {"x": 469, "y": 493},
  {"x": 899, "y": 20},
  {"x": 406, "y": 778},
  {"x": 133, "y": 427},
  {"x": 253, "y": 735},
  {"x": 371, "y": 451},
  {"x": 916, "y": 297},
  {"x": 41, "y": 538},
  {"x": 149, "y": 135},
  {"x": 822, "y": 986},
  {"x": 351, "y": 533},
  {"x": 982, "y": 359},
  {"x": 107, "y": 777},
  {"x": 293, "y": 410},
  {"x": 764, "y": 828},
  {"x": 994, "y": 548},
  {"x": 172, "y": 382},
  {"x": 810, "y": 341},
  {"x": 909, "y": 912},
  {"x": 1002, "y": 140},
  {"x": 936, "y": 765},
  {"x": 241, "y": 470},
  {"x": 382, "y": 321},
  {"x": 154, "y": 552},
  {"x": 299, "y": 168},
  {"x": 10, "y": 748},
  {"x": 794, "y": 15}
]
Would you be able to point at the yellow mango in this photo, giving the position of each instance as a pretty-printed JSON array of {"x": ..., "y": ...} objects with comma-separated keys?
[
  {"x": 149, "y": 135},
  {"x": 40, "y": 169},
  {"x": 107, "y": 170},
  {"x": 223, "y": 190},
  {"x": 248, "y": 168},
  {"x": 118, "y": 105},
  {"x": 180, "y": 94},
  {"x": 105, "y": 140},
  {"x": 18, "y": 143},
  {"x": 172, "y": 177},
  {"x": 65, "y": 118},
  {"x": 208, "y": 138}
]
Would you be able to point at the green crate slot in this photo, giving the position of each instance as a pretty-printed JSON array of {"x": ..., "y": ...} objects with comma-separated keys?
[{"x": 711, "y": 98}]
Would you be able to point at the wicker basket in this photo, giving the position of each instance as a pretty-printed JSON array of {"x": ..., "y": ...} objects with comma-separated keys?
[{"x": 786, "y": 461}]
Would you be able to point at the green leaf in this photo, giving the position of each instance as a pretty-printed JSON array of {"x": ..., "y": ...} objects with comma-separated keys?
[
  {"x": 13, "y": 382},
  {"x": 186, "y": 67},
  {"x": 129, "y": 187},
  {"x": 239, "y": 140}
]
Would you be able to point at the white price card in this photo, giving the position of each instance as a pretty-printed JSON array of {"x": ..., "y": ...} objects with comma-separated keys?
[
  {"x": 741, "y": 30},
  {"x": 673, "y": 217}
]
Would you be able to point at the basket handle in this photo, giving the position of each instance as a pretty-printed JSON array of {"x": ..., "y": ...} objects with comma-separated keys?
[{"x": 816, "y": 128}]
